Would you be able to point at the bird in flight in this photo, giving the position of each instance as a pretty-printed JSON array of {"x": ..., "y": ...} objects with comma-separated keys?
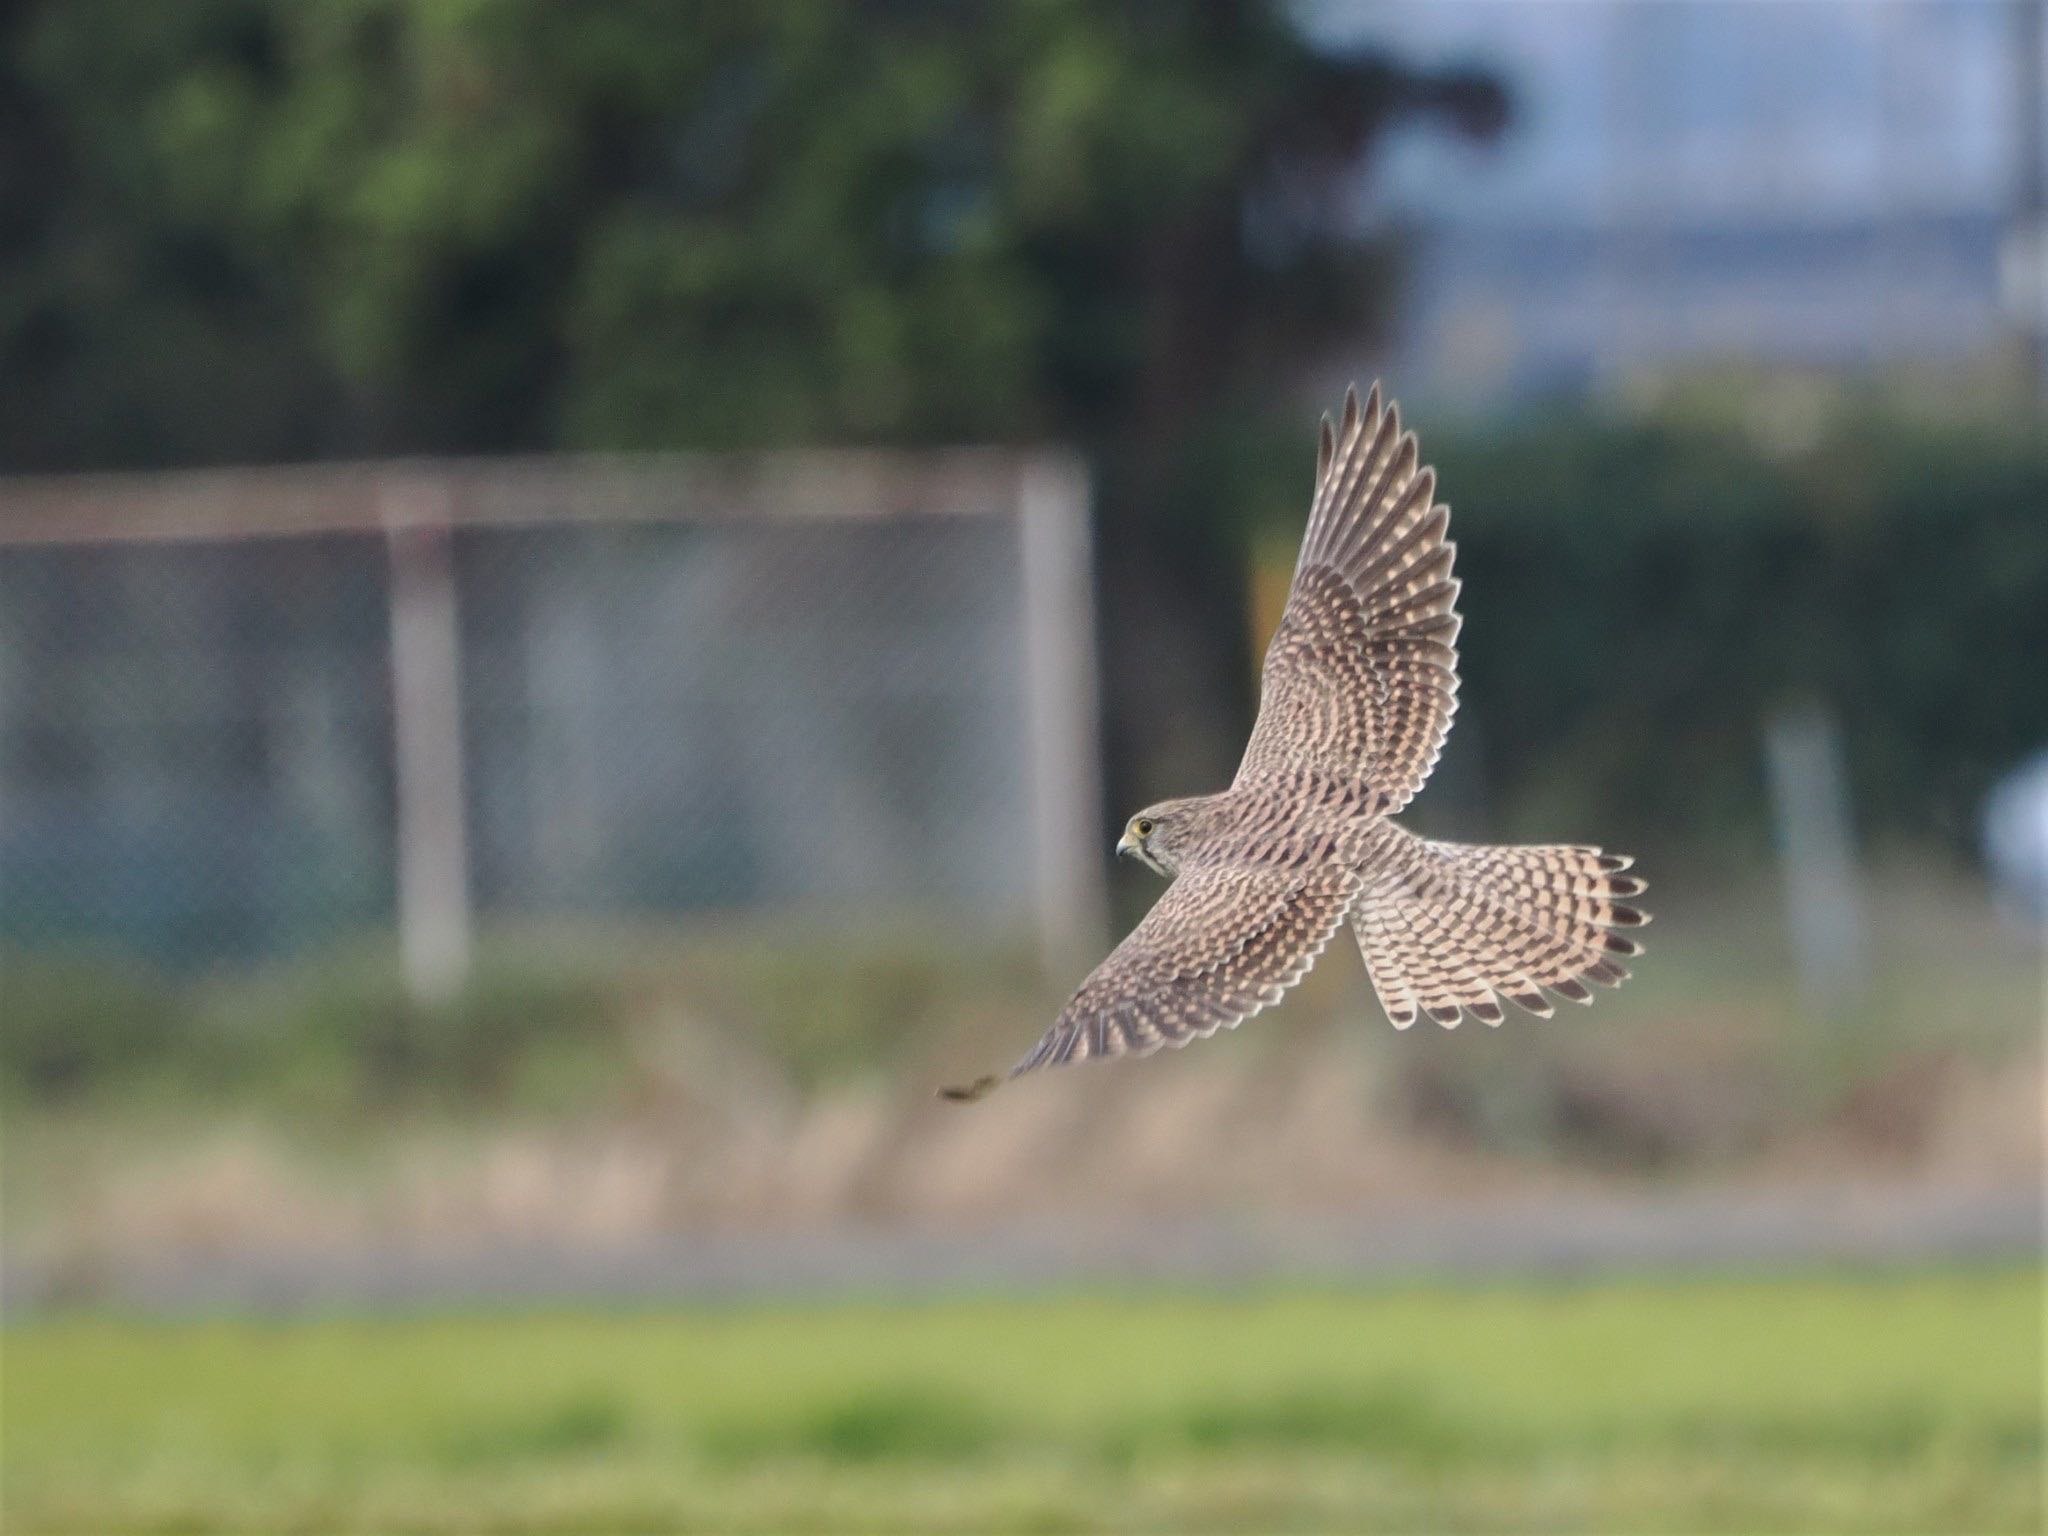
[{"x": 1355, "y": 699}]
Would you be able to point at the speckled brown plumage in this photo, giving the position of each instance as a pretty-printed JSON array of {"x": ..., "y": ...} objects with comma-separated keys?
[{"x": 1356, "y": 697}]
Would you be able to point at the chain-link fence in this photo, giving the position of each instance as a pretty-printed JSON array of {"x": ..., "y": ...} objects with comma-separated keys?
[{"x": 247, "y": 714}]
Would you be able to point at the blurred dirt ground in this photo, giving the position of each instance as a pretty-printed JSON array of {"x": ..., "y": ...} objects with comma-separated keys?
[{"x": 734, "y": 1082}]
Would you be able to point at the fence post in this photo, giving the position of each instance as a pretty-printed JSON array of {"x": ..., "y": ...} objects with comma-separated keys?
[
  {"x": 426, "y": 710},
  {"x": 1061, "y": 707},
  {"x": 1816, "y": 853}
]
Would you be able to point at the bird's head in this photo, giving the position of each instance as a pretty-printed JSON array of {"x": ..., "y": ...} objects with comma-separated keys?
[{"x": 1159, "y": 835}]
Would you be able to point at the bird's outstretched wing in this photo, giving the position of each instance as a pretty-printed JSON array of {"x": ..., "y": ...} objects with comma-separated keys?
[
  {"x": 1361, "y": 679},
  {"x": 1221, "y": 944}
]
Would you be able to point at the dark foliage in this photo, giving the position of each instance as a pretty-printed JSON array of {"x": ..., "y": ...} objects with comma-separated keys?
[
  {"x": 265, "y": 229},
  {"x": 1641, "y": 597}
]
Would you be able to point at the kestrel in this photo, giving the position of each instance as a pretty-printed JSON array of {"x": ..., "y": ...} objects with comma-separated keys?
[{"x": 1356, "y": 698}]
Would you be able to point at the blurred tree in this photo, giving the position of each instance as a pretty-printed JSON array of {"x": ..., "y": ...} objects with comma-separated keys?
[{"x": 279, "y": 228}]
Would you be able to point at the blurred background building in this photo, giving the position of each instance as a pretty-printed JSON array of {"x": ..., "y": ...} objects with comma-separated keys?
[{"x": 1802, "y": 187}]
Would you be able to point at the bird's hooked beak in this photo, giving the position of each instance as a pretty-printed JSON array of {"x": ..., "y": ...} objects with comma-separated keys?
[{"x": 1132, "y": 846}]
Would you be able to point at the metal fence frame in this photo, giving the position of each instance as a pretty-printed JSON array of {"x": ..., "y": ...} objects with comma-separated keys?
[{"x": 418, "y": 503}]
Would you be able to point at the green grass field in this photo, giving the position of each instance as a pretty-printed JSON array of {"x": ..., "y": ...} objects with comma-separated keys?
[{"x": 1892, "y": 1403}]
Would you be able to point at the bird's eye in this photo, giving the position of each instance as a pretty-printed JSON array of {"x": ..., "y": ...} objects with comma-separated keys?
[{"x": 1142, "y": 826}]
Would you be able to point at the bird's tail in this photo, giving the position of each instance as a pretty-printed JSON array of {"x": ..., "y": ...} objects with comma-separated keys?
[{"x": 1452, "y": 928}]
